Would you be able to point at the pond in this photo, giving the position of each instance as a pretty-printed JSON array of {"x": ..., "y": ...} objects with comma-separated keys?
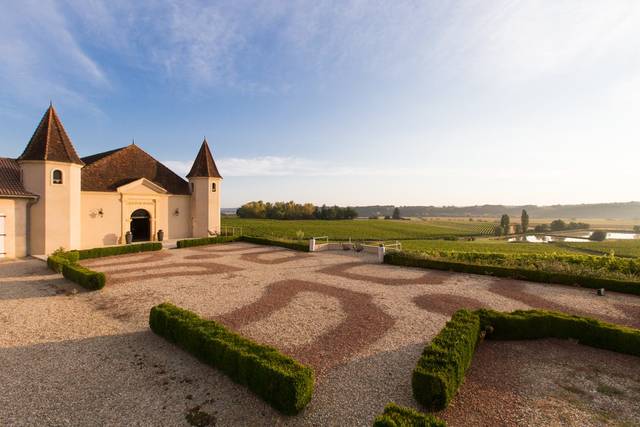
[{"x": 582, "y": 237}]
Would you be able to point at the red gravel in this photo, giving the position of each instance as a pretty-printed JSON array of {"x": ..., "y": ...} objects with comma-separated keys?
[
  {"x": 431, "y": 277},
  {"x": 365, "y": 322},
  {"x": 289, "y": 256},
  {"x": 446, "y": 304},
  {"x": 516, "y": 290}
]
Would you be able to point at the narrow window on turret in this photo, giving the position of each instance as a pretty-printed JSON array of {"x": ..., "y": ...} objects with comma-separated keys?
[
  {"x": 56, "y": 176},
  {"x": 213, "y": 187}
]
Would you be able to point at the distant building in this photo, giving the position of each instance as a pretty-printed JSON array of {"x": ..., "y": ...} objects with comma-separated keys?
[{"x": 51, "y": 198}]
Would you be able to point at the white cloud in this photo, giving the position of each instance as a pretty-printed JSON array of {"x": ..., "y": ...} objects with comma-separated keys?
[{"x": 42, "y": 59}]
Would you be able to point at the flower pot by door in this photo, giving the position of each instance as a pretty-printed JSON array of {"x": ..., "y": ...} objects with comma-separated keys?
[
  {"x": 128, "y": 237},
  {"x": 160, "y": 235}
]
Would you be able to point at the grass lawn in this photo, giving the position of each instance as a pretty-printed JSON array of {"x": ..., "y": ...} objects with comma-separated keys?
[{"x": 364, "y": 229}]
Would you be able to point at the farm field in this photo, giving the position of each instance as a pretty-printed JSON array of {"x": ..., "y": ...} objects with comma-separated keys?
[
  {"x": 487, "y": 245},
  {"x": 364, "y": 229},
  {"x": 626, "y": 248}
]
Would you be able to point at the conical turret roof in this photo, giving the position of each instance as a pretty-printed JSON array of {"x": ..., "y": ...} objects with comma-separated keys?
[
  {"x": 50, "y": 141},
  {"x": 204, "y": 166}
]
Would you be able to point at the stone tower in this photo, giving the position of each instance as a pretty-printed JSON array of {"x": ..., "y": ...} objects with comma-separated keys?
[
  {"x": 205, "y": 181},
  {"x": 51, "y": 169}
]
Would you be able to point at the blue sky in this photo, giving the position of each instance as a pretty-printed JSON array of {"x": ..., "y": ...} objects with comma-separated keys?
[{"x": 346, "y": 102}]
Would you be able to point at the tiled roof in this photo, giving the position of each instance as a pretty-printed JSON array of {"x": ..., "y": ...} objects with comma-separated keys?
[
  {"x": 50, "y": 141},
  {"x": 10, "y": 183},
  {"x": 109, "y": 170},
  {"x": 204, "y": 164}
]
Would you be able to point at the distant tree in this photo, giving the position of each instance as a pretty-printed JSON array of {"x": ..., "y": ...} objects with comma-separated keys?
[
  {"x": 498, "y": 230},
  {"x": 524, "y": 221},
  {"x": 396, "y": 213},
  {"x": 504, "y": 223},
  {"x": 292, "y": 210},
  {"x": 387, "y": 217},
  {"x": 518, "y": 229},
  {"x": 636, "y": 228},
  {"x": 558, "y": 225},
  {"x": 541, "y": 228},
  {"x": 598, "y": 236}
]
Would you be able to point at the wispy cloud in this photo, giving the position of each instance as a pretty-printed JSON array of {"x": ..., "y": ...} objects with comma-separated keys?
[{"x": 42, "y": 58}]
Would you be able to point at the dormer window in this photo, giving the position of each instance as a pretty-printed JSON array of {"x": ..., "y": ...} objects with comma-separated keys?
[
  {"x": 56, "y": 176},
  {"x": 213, "y": 187}
]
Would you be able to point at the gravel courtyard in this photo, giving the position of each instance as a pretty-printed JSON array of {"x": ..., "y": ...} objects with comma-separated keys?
[{"x": 71, "y": 357}]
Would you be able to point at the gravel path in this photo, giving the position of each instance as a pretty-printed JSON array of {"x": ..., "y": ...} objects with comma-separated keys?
[{"x": 70, "y": 357}]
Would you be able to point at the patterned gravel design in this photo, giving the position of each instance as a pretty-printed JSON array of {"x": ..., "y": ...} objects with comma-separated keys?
[{"x": 71, "y": 357}]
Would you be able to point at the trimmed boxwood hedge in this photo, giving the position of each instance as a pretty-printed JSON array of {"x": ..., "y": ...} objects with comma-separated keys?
[
  {"x": 280, "y": 380},
  {"x": 444, "y": 362},
  {"x": 409, "y": 260},
  {"x": 398, "y": 416},
  {"x": 118, "y": 250},
  {"x": 89, "y": 279},
  {"x": 534, "y": 324},
  {"x": 59, "y": 259},
  {"x": 289, "y": 244},
  {"x": 186, "y": 243}
]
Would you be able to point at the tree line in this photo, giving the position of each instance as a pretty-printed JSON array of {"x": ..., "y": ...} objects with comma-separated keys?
[
  {"x": 523, "y": 227},
  {"x": 292, "y": 210}
]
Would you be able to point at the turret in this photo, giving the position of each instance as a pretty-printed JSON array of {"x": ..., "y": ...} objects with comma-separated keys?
[
  {"x": 205, "y": 181},
  {"x": 51, "y": 169}
]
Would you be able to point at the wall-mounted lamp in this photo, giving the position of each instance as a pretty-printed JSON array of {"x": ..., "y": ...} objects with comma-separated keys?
[
  {"x": 176, "y": 212},
  {"x": 96, "y": 212}
]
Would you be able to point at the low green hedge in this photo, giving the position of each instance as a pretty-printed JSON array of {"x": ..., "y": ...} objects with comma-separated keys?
[
  {"x": 186, "y": 243},
  {"x": 280, "y": 380},
  {"x": 534, "y": 324},
  {"x": 616, "y": 285},
  {"x": 398, "y": 416},
  {"x": 289, "y": 244},
  {"x": 58, "y": 259},
  {"x": 444, "y": 362},
  {"x": 86, "y": 278},
  {"x": 118, "y": 250}
]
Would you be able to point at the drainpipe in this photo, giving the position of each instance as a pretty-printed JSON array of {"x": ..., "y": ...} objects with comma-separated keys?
[{"x": 30, "y": 203}]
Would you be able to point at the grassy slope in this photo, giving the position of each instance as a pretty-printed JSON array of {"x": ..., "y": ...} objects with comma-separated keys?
[{"x": 357, "y": 229}]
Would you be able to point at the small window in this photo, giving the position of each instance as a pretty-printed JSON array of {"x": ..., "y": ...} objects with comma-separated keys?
[
  {"x": 213, "y": 187},
  {"x": 56, "y": 176}
]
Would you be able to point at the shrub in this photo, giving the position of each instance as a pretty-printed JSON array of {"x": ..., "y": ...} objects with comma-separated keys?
[
  {"x": 444, "y": 362},
  {"x": 118, "y": 250},
  {"x": 636, "y": 228},
  {"x": 83, "y": 276},
  {"x": 535, "y": 324},
  {"x": 56, "y": 263},
  {"x": 398, "y": 416},
  {"x": 205, "y": 241},
  {"x": 598, "y": 236},
  {"x": 581, "y": 270},
  {"x": 289, "y": 244},
  {"x": 280, "y": 380}
]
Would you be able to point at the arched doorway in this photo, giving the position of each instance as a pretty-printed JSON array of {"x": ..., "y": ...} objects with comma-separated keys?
[{"x": 140, "y": 226}]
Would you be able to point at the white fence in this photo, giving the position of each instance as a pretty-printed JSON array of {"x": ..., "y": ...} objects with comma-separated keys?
[{"x": 317, "y": 244}]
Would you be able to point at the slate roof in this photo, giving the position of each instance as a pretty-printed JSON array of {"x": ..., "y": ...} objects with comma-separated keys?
[
  {"x": 10, "y": 182},
  {"x": 204, "y": 166},
  {"x": 109, "y": 170},
  {"x": 50, "y": 141}
]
